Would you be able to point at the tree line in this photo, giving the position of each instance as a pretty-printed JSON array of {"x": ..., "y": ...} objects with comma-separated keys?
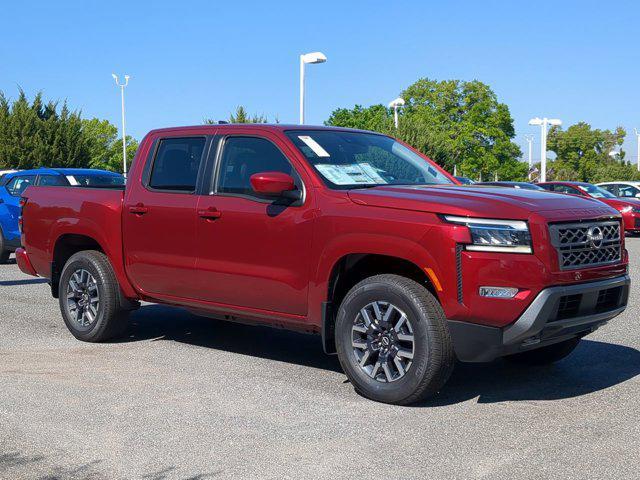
[
  {"x": 458, "y": 124},
  {"x": 48, "y": 134}
]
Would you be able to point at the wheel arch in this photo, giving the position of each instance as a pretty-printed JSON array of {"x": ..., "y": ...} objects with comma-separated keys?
[
  {"x": 351, "y": 268},
  {"x": 68, "y": 244}
]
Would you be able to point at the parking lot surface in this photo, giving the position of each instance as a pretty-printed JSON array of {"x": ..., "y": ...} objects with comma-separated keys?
[{"x": 188, "y": 397}]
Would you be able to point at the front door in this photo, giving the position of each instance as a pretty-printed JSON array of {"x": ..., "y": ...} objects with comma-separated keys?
[
  {"x": 253, "y": 252},
  {"x": 159, "y": 219}
]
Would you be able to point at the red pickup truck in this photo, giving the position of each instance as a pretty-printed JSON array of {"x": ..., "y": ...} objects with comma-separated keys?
[{"x": 349, "y": 234}]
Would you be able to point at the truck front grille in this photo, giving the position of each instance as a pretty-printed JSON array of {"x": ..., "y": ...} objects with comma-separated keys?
[{"x": 588, "y": 244}]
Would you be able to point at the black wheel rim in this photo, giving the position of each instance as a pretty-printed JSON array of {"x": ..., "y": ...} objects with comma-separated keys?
[
  {"x": 83, "y": 298},
  {"x": 383, "y": 341}
]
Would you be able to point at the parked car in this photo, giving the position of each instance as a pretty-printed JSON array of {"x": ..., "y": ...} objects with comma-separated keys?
[
  {"x": 13, "y": 184},
  {"x": 622, "y": 189},
  {"x": 349, "y": 234},
  {"x": 523, "y": 185},
  {"x": 465, "y": 180},
  {"x": 630, "y": 209}
]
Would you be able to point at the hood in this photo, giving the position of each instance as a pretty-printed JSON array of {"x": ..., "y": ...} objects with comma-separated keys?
[{"x": 478, "y": 201}]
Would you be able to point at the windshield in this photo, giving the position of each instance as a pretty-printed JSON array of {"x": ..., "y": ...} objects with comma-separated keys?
[
  {"x": 596, "y": 192},
  {"x": 95, "y": 180},
  {"x": 357, "y": 160},
  {"x": 529, "y": 186}
]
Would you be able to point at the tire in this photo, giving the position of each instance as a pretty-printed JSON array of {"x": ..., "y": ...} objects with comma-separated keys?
[
  {"x": 386, "y": 299},
  {"x": 545, "y": 355},
  {"x": 92, "y": 320},
  {"x": 4, "y": 254}
]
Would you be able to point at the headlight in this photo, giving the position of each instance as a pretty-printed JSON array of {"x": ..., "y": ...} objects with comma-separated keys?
[
  {"x": 626, "y": 209},
  {"x": 488, "y": 235}
]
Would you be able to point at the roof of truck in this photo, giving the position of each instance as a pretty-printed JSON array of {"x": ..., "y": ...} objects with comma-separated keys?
[{"x": 276, "y": 127}]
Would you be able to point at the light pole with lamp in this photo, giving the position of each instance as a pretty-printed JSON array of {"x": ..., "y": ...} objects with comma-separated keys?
[
  {"x": 395, "y": 104},
  {"x": 635, "y": 130},
  {"x": 544, "y": 124},
  {"x": 124, "y": 135},
  {"x": 313, "y": 57},
  {"x": 529, "y": 139}
]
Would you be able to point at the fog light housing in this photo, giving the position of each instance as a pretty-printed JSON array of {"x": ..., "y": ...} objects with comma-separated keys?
[{"x": 498, "y": 292}]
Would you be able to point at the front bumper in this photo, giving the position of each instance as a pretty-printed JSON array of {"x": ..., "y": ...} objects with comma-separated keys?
[{"x": 556, "y": 314}]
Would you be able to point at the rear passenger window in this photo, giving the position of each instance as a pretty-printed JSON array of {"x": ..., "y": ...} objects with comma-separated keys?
[
  {"x": 52, "y": 180},
  {"x": 17, "y": 185},
  {"x": 177, "y": 163},
  {"x": 245, "y": 156}
]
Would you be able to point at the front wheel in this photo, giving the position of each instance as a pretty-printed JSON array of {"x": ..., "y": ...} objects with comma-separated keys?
[
  {"x": 392, "y": 340},
  {"x": 89, "y": 298}
]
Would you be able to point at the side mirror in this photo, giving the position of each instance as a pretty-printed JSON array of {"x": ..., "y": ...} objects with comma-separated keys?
[
  {"x": 637, "y": 195},
  {"x": 273, "y": 184}
]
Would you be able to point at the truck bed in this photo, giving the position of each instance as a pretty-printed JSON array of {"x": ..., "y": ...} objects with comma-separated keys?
[{"x": 53, "y": 212}]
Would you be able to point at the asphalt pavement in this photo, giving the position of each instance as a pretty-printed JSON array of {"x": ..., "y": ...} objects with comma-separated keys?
[{"x": 184, "y": 397}]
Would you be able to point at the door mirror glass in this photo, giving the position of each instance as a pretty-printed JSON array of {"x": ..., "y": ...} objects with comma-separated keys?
[{"x": 273, "y": 184}]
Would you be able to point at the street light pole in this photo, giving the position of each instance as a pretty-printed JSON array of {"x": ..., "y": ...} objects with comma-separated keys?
[
  {"x": 529, "y": 139},
  {"x": 395, "y": 104},
  {"x": 124, "y": 134},
  {"x": 544, "y": 124},
  {"x": 635, "y": 130},
  {"x": 314, "y": 57}
]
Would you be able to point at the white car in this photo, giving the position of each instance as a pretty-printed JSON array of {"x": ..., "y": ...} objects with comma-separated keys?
[{"x": 622, "y": 189}]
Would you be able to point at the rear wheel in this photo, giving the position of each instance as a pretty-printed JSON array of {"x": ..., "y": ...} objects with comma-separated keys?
[
  {"x": 89, "y": 298},
  {"x": 392, "y": 340},
  {"x": 545, "y": 355}
]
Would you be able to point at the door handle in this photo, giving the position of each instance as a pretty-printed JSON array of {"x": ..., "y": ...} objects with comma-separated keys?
[
  {"x": 138, "y": 209},
  {"x": 210, "y": 214}
]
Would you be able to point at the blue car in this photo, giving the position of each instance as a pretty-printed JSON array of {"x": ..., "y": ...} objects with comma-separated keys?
[{"x": 13, "y": 184}]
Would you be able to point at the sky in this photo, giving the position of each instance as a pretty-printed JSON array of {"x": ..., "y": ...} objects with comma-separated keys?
[{"x": 191, "y": 60}]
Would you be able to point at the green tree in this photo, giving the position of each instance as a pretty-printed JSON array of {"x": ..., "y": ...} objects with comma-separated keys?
[
  {"x": 34, "y": 134},
  {"x": 241, "y": 116},
  {"x": 105, "y": 147},
  {"x": 583, "y": 154},
  {"x": 453, "y": 122}
]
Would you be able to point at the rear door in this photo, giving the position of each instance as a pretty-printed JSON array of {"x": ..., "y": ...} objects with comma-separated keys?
[
  {"x": 159, "y": 218},
  {"x": 255, "y": 252}
]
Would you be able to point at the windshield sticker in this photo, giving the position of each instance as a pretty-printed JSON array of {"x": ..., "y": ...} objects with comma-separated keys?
[
  {"x": 352, "y": 174},
  {"x": 315, "y": 146},
  {"x": 72, "y": 180}
]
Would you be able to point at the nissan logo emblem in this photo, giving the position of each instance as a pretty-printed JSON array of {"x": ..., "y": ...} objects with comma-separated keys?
[{"x": 595, "y": 237}]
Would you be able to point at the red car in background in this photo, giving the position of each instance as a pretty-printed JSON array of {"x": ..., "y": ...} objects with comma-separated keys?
[{"x": 630, "y": 208}]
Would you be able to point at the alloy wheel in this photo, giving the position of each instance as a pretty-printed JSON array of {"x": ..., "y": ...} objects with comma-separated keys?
[
  {"x": 83, "y": 298},
  {"x": 383, "y": 341}
]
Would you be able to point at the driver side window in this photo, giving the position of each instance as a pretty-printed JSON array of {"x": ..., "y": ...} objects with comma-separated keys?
[{"x": 246, "y": 156}]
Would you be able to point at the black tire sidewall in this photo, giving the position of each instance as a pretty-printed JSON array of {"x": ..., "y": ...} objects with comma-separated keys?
[
  {"x": 96, "y": 329},
  {"x": 399, "y": 389},
  {"x": 4, "y": 254}
]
